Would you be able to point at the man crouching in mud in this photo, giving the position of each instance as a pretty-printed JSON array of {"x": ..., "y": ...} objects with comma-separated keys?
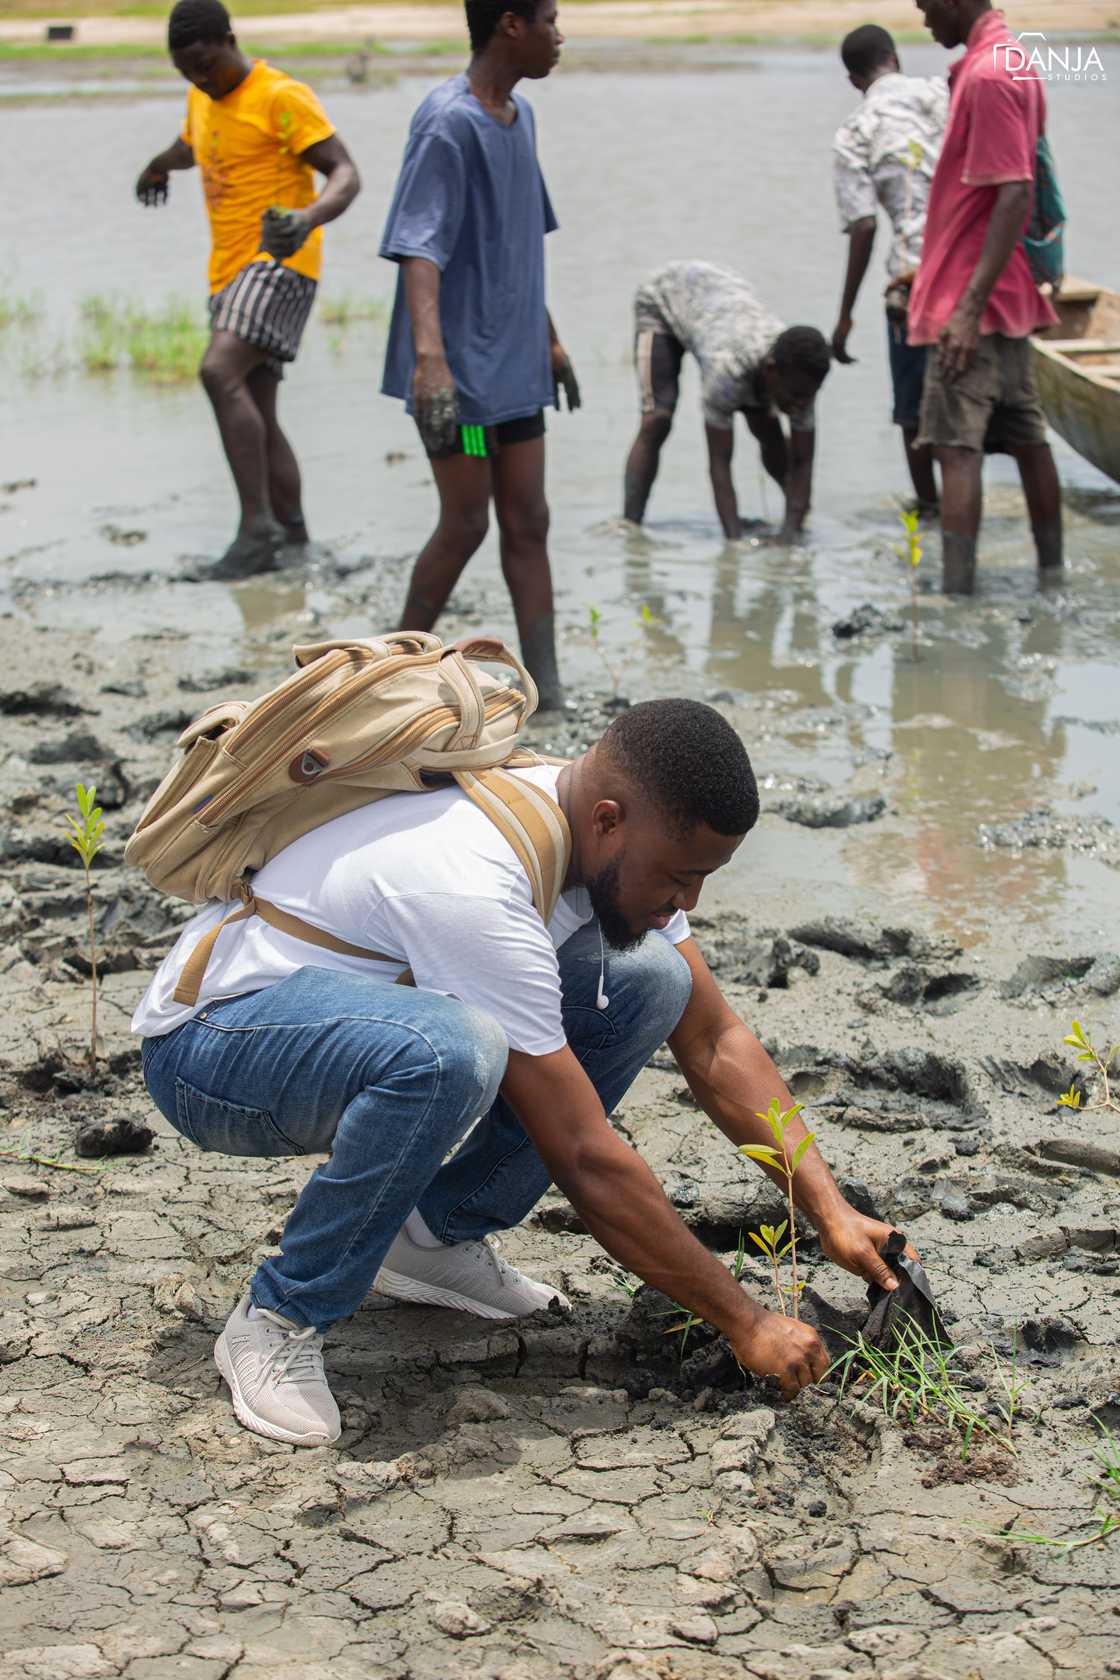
[
  {"x": 258, "y": 137},
  {"x": 293, "y": 1050}
]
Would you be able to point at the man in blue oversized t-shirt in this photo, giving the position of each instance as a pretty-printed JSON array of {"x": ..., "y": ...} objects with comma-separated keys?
[{"x": 472, "y": 349}]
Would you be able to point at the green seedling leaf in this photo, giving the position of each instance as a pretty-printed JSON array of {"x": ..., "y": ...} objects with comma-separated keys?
[
  {"x": 760, "y": 1242},
  {"x": 760, "y": 1152},
  {"x": 1070, "y": 1098},
  {"x": 799, "y": 1153}
]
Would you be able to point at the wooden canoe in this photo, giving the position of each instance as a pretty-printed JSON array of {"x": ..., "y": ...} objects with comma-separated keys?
[{"x": 1077, "y": 365}]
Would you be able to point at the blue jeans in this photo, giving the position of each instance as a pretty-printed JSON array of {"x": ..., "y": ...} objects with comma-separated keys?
[{"x": 388, "y": 1080}]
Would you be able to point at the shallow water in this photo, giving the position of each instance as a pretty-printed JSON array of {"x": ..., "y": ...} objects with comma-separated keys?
[{"x": 999, "y": 715}]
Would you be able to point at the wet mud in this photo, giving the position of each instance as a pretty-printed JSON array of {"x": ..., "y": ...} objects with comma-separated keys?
[
  {"x": 930, "y": 898},
  {"x": 578, "y": 1493}
]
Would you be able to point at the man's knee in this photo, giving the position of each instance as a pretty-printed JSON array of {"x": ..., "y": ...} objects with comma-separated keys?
[
  {"x": 525, "y": 524},
  {"x": 472, "y": 1051},
  {"x": 466, "y": 526},
  {"x": 218, "y": 377},
  {"x": 657, "y": 426}
]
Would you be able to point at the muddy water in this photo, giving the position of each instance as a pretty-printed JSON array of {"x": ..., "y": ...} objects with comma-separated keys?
[{"x": 1009, "y": 707}]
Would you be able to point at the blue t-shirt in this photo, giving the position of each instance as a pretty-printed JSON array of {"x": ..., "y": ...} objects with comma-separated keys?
[{"x": 471, "y": 199}]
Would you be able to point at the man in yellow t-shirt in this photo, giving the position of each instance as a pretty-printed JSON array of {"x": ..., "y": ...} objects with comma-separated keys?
[{"x": 258, "y": 137}]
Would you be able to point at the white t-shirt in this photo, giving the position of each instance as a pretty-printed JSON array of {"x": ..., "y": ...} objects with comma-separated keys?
[{"x": 427, "y": 877}]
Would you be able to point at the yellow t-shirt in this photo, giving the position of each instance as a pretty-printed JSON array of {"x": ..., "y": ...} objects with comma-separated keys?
[{"x": 248, "y": 147}]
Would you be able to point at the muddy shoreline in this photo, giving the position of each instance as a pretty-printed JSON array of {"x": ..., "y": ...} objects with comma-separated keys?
[{"x": 562, "y": 1496}]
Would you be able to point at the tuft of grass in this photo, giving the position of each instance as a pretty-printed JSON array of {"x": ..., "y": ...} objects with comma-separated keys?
[
  {"x": 17, "y": 310},
  {"x": 164, "y": 344},
  {"x": 347, "y": 309},
  {"x": 1103, "y": 1521},
  {"x": 920, "y": 1379}
]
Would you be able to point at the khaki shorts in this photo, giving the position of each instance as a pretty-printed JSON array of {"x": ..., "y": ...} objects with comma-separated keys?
[{"x": 993, "y": 407}]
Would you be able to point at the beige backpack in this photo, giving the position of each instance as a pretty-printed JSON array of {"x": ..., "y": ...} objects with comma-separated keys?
[{"x": 356, "y": 721}]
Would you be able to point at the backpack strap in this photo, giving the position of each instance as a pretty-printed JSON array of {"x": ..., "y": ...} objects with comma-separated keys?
[
  {"x": 527, "y": 817},
  {"x": 534, "y": 825},
  {"x": 194, "y": 969}
]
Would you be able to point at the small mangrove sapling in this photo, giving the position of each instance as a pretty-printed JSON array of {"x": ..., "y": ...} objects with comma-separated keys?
[
  {"x": 779, "y": 1159},
  {"x": 86, "y": 837},
  {"x": 1078, "y": 1039},
  {"x": 912, "y": 553},
  {"x": 594, "y": 623}
]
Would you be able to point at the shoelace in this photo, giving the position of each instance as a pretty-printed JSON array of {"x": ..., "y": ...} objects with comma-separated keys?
[
  {"x": 301, "y": 1358},
  {"x": 489, "y": 1247}
]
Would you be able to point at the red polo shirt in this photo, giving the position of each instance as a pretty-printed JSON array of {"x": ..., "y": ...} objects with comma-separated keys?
[{"x": 992, "y": 136}]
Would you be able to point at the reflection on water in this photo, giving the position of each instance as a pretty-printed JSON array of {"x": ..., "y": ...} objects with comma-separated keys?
[{"x": 1007, "y": 708}]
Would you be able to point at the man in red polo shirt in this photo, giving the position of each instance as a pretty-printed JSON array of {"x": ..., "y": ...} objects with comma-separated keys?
[{"x": 974, "y": 296}]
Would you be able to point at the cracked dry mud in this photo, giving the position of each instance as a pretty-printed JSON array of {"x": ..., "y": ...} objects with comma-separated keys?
[{"x": 558, "y": 1497}]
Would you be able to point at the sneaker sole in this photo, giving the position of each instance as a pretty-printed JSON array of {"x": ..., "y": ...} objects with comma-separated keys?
[
  {"x": 401, "y": 1288},
  {"x": 250, "y": 1419}
]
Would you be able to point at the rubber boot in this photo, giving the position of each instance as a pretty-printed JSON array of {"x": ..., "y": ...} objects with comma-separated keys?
[
  {"x": 958, "y": 564},
  {"x": 1048, "y": 543},
  {"x": 538, "y": 650}
]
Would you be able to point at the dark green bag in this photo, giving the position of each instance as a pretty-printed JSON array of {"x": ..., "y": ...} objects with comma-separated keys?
[{"x": 1044, "y": 241}]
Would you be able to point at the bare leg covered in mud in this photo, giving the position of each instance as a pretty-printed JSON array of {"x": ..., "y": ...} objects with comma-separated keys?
[
  {"x": 514, "y": 476},
  {"x": 463, "y": 482},
  {"x": 1043, "y": 492},
  {"x": 962, "y": 497},
  {"x": 225, "y": 372},
  {"x": 919, "y": 462},
  {"x": 523, "y": 519},
  {"x": 642, "y": 464},
  {"x": 285, "y": 486}
]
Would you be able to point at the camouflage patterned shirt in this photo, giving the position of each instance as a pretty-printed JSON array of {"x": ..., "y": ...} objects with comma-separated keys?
[
  {"x": 716, "y": 316},
  {"x": 886, "y": 154}
]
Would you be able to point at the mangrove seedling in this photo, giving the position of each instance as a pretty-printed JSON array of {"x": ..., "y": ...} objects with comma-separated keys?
[
  {"x": 594, "y": 624},
  {"x": 912, "y": 553},
  {"x": 778, "y": 1158},
  {"x": 1078, "y": 1039},
  {"x": 86, "y": 839}
]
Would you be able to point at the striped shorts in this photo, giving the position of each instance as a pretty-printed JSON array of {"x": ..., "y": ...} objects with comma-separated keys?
[{"x": 267, "y": 305}]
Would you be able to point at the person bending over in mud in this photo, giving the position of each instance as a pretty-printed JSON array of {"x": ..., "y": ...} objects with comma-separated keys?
[
  {"x": 749, "y": 364},
  {"x": 291, "y": 1050},
  {"x": 258, "y": 137},
  {"x": 472, "y": 348},
  {"x": 885, "y": 154}
]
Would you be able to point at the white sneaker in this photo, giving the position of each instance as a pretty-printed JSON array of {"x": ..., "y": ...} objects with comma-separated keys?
[
  {"x": 471, "y": 1276},
  {"x": 275, "y": 1374}
]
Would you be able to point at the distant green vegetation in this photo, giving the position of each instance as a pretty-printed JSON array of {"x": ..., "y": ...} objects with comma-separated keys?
[
  {"x": 345, "y": 309},
  {"x": 163, "y": 344},
  {"x": 19, "y": 311}
]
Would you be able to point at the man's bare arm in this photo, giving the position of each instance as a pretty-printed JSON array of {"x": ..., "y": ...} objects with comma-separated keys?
[
  {"x": 799, "y": 483},
  {"x": 626, "y": 1210},
  {"x": 151, "y": 187},
  {"x": 721, "y": 447},
  {"x": 434, "y": 402},
  {"x": 734, "y": 1081},
  {"x": 861, "y": 240}
]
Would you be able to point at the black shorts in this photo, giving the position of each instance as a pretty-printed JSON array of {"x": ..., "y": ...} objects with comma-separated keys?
[{"x": 490, "y": 440}]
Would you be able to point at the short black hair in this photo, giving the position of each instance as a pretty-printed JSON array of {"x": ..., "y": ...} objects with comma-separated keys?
[
  {"x": 197, "y": 20},
  {"x": 803, "y": 353},
  {"x": 866, "y": 48},
  {"x": 689, "y": 761},
  {"x": 483, "y": 17}
]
